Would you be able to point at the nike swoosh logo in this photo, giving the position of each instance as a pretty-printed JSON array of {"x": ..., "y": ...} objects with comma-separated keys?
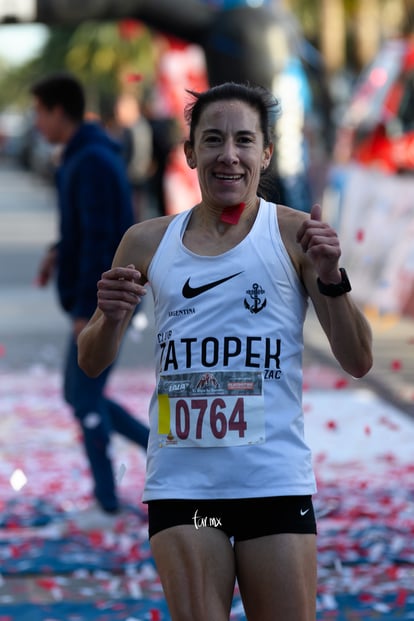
[
  {"x": 192, "y": 292},
  {"x": 304, "y": 512}
]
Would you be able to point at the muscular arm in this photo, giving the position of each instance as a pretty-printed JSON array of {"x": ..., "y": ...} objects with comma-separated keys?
[
  {"x": 347, "y": 329},
  {"x": 120, "y": 289},
  {"x": 315, "y": 250}
]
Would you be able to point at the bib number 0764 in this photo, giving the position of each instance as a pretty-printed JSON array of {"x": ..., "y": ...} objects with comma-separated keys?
[{"x": 210, "y": 412}]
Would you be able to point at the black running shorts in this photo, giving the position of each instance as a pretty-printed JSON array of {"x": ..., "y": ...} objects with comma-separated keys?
[{"x": 242, "y": 519}]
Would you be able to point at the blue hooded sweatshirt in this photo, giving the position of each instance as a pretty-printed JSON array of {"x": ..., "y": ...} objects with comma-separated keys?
[{"x": 95, "y": 211}]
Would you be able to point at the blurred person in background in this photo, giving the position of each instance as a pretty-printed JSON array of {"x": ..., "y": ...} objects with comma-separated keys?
[
  {"x": 166, "y": 135},
  {"x": 136, "y": 137},
  {"x": 95, "y": 210}
]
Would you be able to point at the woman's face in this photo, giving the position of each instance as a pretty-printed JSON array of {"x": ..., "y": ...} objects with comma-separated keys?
[{"x": 228, "y": 153}]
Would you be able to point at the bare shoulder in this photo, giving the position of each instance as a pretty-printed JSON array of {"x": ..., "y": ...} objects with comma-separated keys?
[
  {"x": 289, "y": 222},
  {"x": 290, "y": 219},
  {"x": 140, "y": 243}
]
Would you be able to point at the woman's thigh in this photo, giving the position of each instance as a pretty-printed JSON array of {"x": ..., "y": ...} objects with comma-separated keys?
[
  {"x": 277, "y": 577},
  {"x": 197, "y": 572}
]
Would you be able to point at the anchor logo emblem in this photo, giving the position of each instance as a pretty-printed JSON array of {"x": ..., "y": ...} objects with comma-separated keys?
[{"x": 256, "y": 293}]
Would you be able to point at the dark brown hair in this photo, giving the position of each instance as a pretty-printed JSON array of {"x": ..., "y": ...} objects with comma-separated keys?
[
  {"x": 64, "y": 90},
  {"x": 259, "y": 98}
]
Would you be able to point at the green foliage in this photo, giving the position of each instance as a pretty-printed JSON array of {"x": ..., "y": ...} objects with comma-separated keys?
[
  {"x": 94, "y": 51},
  {"x": 14, "y": 85}
]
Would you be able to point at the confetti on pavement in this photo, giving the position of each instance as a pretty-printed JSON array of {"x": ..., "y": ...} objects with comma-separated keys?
[{"x": 362, "y": 451}]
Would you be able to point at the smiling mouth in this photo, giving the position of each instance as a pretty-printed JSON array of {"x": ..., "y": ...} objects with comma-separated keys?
[{"x": 222, "y": 177}]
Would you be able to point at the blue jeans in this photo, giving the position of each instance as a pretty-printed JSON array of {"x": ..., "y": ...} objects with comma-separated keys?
[{"x": 99, "y": 417}]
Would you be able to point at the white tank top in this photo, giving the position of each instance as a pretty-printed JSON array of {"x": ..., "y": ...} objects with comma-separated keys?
[{"x": 226, "y": 417}]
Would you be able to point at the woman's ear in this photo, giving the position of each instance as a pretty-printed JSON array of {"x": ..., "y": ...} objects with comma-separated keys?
[
  {"x": 189, "y": 154},
  {"x": 267, "y": 156}
]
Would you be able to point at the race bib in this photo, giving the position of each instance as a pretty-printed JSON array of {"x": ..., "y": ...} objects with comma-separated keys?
[{"x": 211, "y": 409}]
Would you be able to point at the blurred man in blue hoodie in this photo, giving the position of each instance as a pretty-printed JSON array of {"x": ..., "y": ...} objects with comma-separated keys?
[{"x": 95, "y": 209}]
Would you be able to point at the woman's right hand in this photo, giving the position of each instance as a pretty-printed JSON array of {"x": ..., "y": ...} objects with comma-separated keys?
[{"x": 119, "y": 292}]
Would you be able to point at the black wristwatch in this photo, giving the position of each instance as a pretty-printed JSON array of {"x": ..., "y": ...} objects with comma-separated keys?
[{"x": 333, "y": 291}]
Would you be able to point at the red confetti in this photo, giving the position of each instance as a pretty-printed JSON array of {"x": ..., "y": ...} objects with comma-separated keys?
[
  {"x": 155, "y": 615},
  {"x": 96, "y": 538},
  {"x": 392, "y": 572},
  {"x": 367, "y": 430},
  {"x": 360, "y": 235},
  {"x": 2, "y": 351},
  {"x": 401, "y": 597},
  {"x": 331, "y": 424},
  {"x": 388, "y": 423},
  {"x": 341, "y": 383},
  {"x": 396, "y": 365},
  {"x": 47, "y": 583},
  {"x": 389, "y": 458}
]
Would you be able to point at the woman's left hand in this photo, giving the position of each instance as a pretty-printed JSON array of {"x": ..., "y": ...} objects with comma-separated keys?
[{"x": 321, "y": 244}]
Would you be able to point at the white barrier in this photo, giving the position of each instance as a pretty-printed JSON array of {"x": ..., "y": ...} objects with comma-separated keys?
[{"x": 376, "y": 229}]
